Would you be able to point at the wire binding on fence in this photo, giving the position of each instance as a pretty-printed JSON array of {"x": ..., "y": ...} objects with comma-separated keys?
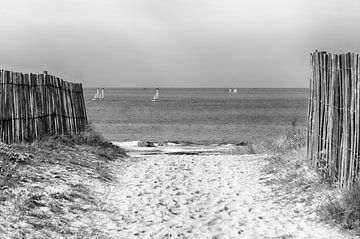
[
  {"x": 42, "y": 116},
  {"x": 333, "y": 106},
  {"x": 49, "y": 86}
]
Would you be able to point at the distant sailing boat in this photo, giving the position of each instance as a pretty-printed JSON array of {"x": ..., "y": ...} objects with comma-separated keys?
[
  {"x": 156, "y": 96},
  {"x": 99, "y": 94},
  {"x": 232, "y": 91}
]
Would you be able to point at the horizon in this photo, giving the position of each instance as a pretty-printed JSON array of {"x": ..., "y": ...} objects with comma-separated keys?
[{"x": 148, "y": 88}]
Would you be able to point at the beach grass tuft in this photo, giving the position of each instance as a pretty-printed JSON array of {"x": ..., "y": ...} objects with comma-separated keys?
[
  {"x": 286, "y": 151},
  {"x": 344, "y": 208},
  {"x": 88, "y": 138},
  {"x": 287, "y": 167}
]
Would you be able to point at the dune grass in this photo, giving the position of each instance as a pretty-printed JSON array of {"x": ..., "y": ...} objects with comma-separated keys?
[
  {"x": 292, "y": 178},
  {"x": 45, "y": 186},
  {"x": 287, "y": 157},
  {"x": 292, "y": 173},
  {"x": 343, "y": 208}
]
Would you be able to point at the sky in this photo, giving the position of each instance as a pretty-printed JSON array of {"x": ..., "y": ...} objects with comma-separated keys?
[{"x": 175, "y": 43}]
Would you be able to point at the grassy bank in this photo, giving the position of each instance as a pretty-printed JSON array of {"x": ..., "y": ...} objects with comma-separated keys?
[
  {"x": 287, "y": 160},
  {"x": 44, "y": 186},
  {"x": 292, "y": 177}
]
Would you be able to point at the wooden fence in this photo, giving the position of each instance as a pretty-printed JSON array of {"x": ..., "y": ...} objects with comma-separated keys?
[
  {"x": 34, "y": 105},
  {"x": 333, "y": 140}
]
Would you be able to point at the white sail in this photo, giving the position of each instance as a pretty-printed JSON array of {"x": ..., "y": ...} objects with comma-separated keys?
[
  {"x": 97, "y": 95},
  {"x": 230, "y": 90},
  {"x": 102, "y": 94},
  {"x": 235, "y": 91},
  {"x": 156, "y": 96}
]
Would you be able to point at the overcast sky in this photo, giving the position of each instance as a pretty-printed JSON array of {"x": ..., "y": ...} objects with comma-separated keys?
[{"x": 175, "y": 43}]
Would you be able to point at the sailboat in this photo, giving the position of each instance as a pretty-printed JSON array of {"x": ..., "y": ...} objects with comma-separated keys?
[
  {"x": 232, "y": 91},
  {"x": 156, "y": 96},
  {"x": 99, "y": 94},
  {"x": 102, "y": 94}
]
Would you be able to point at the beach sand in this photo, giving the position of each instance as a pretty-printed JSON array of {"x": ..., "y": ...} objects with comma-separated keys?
[{"x": 200, "y": 196}]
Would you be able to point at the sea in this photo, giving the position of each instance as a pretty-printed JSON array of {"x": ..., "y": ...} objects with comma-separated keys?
[{"x": 199, "y": 115}]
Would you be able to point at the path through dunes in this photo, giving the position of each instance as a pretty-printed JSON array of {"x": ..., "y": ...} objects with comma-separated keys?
[{"x": 201, "y": 196}]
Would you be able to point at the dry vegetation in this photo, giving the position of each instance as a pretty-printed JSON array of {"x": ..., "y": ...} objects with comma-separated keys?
[
  {"x": 343, "y": 208},
  {"x": 296, "y": 181},
  {"x": 44, "y": 186},
  {"x": 289, "y": 171}
]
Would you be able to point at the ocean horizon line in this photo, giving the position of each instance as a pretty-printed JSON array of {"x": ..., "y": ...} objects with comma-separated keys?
[{"x": 265, "y": 88}]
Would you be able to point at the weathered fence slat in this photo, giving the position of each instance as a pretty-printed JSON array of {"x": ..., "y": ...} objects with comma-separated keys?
[{"x": 333, "y": 138}]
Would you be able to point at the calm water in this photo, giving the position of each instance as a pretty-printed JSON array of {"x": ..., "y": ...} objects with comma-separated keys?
[{"x": 196, "y": 115}]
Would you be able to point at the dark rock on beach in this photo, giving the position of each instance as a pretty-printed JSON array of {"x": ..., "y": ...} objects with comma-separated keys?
[
  {"x": 146, "y": 144},
  {"x": 241, "y": 144}
]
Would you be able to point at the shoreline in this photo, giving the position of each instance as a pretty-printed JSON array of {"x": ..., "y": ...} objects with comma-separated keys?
[{"x": 182, "y": 148}]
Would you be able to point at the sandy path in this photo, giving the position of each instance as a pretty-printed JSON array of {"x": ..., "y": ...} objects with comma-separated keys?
[{"x": 217, "y": 196}]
